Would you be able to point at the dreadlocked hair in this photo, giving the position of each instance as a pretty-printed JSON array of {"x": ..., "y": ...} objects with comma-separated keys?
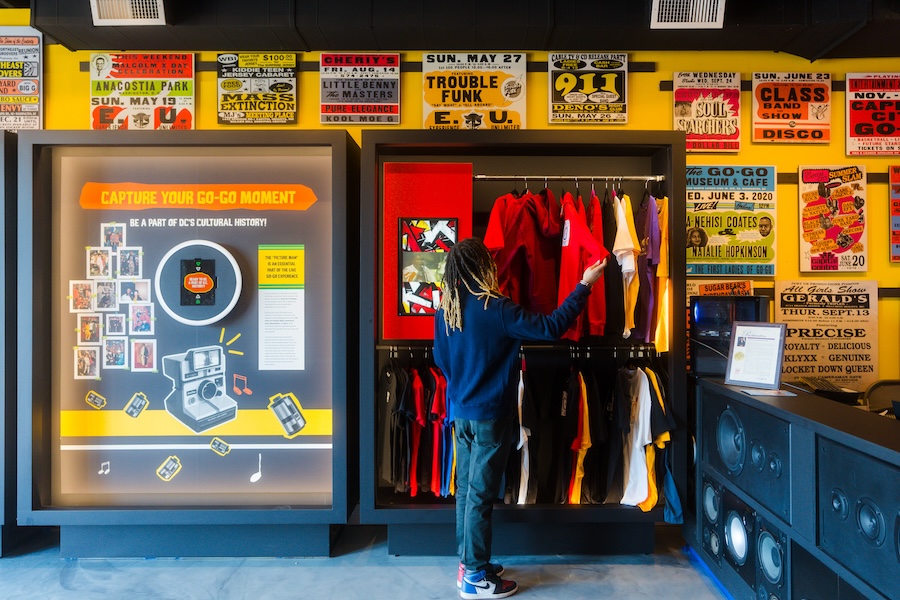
[{"x": 468, "y": 264}]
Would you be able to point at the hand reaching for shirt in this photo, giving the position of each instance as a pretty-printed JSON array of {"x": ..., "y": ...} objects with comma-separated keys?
[{"x": 593, "y": 272}]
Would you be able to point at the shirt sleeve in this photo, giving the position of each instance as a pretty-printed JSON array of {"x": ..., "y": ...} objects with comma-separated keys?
[
  {"x": 525, "y": 325},
  {"x": 440, "y": 343}
]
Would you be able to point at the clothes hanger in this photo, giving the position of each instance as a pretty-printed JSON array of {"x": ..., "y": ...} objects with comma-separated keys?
[{"x": 631, "y": 361}]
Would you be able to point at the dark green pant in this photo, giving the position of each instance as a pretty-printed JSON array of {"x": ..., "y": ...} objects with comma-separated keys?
[{"x": 482, "y": 449}]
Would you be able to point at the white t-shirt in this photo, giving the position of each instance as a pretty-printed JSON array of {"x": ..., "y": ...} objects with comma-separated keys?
[{"x": 634, "y": 458}]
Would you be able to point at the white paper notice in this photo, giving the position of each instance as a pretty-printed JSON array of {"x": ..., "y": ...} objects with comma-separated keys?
[
  {"x": 281, "y": 330},
  {"x": 756, "y": 354}
]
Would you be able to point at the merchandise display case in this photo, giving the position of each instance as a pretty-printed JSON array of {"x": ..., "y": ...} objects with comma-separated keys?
[
  {"x": 8, "y": 529},
  {"x": 185, "y": 353},
  {"x": 420, "y": 192}
]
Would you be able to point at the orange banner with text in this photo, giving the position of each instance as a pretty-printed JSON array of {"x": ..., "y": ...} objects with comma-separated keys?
[{"x": 213, "y": 196}]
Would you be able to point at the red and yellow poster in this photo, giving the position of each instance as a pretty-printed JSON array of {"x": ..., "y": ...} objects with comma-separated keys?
[
  {"x": 20, "y": 78},
  {"x": 792, "y": 108},
  {"x": 142, "y": 91},
  {"x": 833, "y": 215},
  {"x": 474, "y": 90},
  {"x": 894, "y": 173},
  {"x": 873, "y": 114},
  {"x": 708, "y": 110}
]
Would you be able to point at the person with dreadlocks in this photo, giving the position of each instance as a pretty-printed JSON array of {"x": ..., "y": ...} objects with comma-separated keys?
[{"x": 477, "y": 336}]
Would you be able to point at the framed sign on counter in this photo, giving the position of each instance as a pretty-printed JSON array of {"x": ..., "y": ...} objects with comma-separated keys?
[
  {"x": 754, "y": 359},
  {"x": 200, "y": 367}
]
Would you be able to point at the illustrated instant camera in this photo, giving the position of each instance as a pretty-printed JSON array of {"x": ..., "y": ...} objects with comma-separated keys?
[{"x": 198, "y": 397}]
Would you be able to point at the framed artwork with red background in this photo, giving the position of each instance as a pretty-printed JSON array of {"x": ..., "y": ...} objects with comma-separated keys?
[{"x": 421, "y": 201}]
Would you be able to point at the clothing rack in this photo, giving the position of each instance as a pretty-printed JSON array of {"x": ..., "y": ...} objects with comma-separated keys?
[
  {"x": 396, "y": 348},
  {"x": 629, "y": 350},
  {"x": 592, "y": 178},
  {"x": 633, "y": 350}
]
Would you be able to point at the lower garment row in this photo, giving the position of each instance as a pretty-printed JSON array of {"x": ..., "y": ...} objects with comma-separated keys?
[{"x": 589, "y": 432}]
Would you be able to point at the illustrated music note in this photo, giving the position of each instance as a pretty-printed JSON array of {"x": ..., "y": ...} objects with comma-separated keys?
[
  {"x": 104, "y": 468},
  {"x": 256, "y": 476},
  {"x": 243, "y": 389}
]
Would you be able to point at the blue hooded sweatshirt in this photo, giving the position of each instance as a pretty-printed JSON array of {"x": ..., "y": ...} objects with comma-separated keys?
[{"x": 479, "y": 362}]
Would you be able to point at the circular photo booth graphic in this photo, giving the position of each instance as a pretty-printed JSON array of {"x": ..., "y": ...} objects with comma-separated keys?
[{"x": 198, "y": 282}]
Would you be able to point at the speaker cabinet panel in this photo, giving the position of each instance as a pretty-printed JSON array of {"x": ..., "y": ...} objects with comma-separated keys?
[
  {"x": 859, "y": 514},
  {"x": 772, "y": 574},
  {"x": 739, "y": 526},
  {"x": 751, "y": 449},
  {"x": 811, "y": 580},
  {"x": 711, "y": 518}
]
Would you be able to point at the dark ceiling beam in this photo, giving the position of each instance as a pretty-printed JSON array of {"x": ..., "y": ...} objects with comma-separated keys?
[{"x": 813, "y": 29}]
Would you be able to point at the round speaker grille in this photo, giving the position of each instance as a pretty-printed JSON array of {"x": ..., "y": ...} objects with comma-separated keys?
[
  {"x": 870, "y": 521},
  {"x": 710, "y": 503},
  {"x": 730, "y": 441},
  {"x": 757, "y": 455},
  {"x": 737, "y": 541},
  {"x": 839, "y": 504},
  {"x": 775, "y": 466},
  {"x": 714, "y": 545},
  {"x": 770, "y": 557}
]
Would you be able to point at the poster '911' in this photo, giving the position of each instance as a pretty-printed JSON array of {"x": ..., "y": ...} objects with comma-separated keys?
[
  {"x": 833, "y": 218},
  {"x": 588, "y": 88}
]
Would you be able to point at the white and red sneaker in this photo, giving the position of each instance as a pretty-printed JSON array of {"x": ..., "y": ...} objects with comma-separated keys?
[
  {"x": 485, "y": 584},
  {"x": 461, "y": 571}
]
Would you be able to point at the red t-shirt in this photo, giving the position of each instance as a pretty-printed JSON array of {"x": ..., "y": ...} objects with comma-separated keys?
[
  {"x": 579, "y": 249},
  {"x": 596, "y": 304}
]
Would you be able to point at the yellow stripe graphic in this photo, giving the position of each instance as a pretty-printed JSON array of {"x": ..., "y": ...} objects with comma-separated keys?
[{"x": 108, "y": 423}]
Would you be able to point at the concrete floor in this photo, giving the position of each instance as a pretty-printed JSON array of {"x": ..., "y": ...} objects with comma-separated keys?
[{"x": 360, "y": 568}]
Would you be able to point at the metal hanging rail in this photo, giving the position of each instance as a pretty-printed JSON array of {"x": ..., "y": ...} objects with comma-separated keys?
[{"x": 481, "y": 177}]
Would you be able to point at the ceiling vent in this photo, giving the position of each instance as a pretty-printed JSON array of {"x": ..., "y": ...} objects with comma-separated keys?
[
  {"x": 687, "y": 14},
  {"x": 128, "y": 12}
]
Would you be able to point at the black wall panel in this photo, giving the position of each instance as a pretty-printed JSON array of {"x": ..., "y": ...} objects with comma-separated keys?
[{"x": 859, "y": 514}]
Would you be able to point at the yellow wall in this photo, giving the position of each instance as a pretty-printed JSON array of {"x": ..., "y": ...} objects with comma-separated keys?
[{"x": 66, "y": 106}]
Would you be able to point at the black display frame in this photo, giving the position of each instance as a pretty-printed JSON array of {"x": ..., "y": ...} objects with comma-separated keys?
[
  {"x": 773, "y": 362},
  {"x": 424, "y": 527},
  {"x": 195, "y": 530},
  {"x": 9, "y": 532}
]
